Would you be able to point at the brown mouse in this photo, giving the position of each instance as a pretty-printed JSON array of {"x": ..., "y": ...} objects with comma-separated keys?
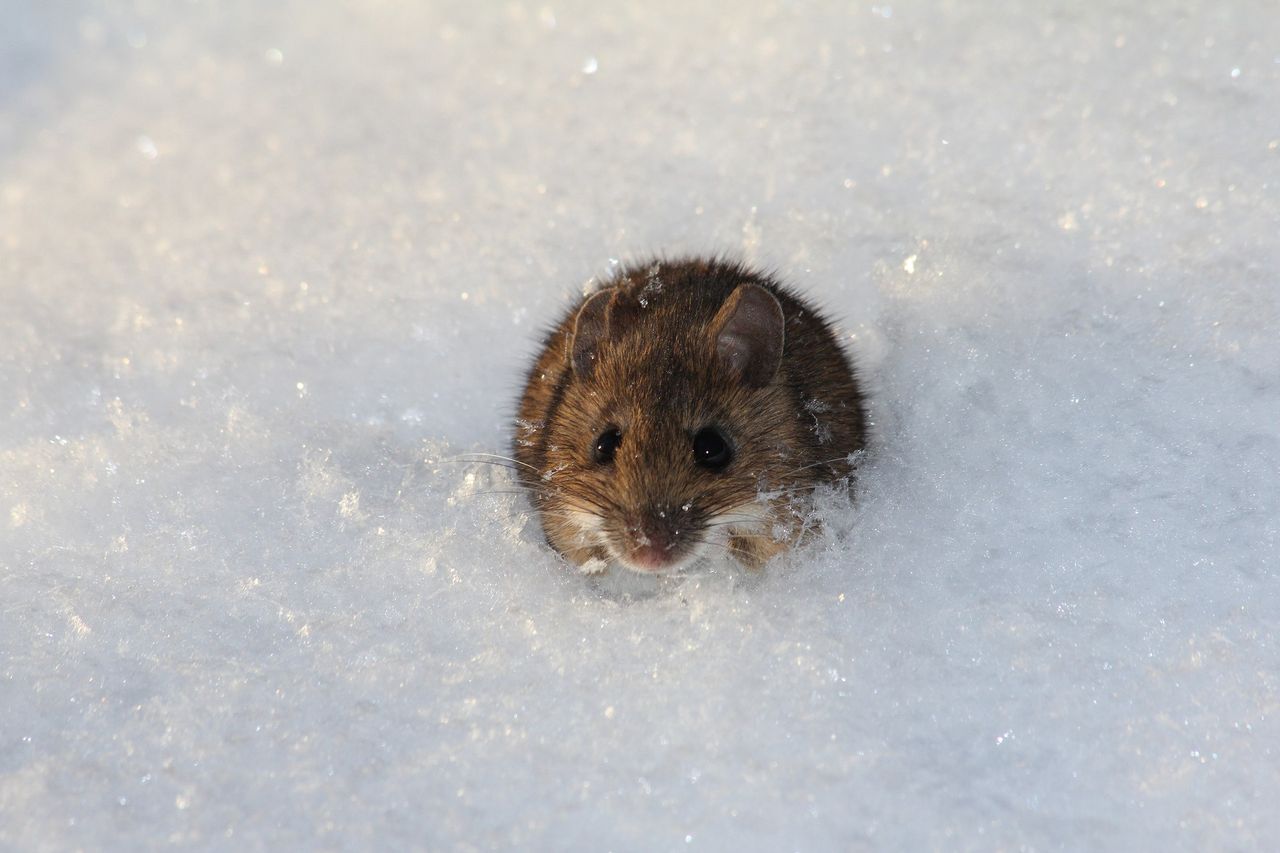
[{"x": 685, "y": 406}]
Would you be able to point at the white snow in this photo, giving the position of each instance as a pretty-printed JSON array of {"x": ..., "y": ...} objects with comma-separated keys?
[{"x": 269, "y": 273}]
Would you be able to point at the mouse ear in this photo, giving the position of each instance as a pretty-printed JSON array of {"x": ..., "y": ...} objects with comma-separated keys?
[
  {"x": 589, "y": 329},
  {"x": 749, "y": 332}
]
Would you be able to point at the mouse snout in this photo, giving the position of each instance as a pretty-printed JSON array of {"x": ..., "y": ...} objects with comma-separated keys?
[{"x": 657, "y": 538}]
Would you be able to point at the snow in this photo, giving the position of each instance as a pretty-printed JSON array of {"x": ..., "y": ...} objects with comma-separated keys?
[{"x": 270, "y": 275}]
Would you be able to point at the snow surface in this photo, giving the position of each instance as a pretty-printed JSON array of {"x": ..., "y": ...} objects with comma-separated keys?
[{"x": 268, "y": 271}]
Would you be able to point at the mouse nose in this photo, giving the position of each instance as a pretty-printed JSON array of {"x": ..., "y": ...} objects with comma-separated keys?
[
  {"x": 654, "y": 539},
  {"x": 652, "y": 551}
]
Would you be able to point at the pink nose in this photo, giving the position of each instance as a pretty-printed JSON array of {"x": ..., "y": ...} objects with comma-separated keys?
[
  {"x": 653, "y": 537},
  {"x": 652, "y": 547},
  {"x": 651, "y": 556}
]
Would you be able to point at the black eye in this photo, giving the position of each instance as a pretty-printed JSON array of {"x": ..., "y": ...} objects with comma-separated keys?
[
  {"x": 607, "y": 445},
  {"x": 710, "y": 450}
]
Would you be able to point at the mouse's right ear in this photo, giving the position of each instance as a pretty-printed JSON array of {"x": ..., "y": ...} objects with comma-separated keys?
[
  {"x": 589, "y": 329},
  {"x": 750, "y": 330}
]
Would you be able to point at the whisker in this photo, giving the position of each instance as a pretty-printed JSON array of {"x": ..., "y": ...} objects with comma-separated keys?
[
  {"x": 844, "y": 458},
  {"x": 726, "y": 547},
  {"x": 564, "y": 513},
  {"x": 472, "y": 457},
  {"x": 501, "y": 465},
  {"x": 492, "y": 492},
  {"x": 731, "y": 522},
  {"x": 800, "y": 490}
]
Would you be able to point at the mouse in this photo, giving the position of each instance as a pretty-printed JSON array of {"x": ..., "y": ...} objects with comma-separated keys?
[{"x": 682, "y": 409}]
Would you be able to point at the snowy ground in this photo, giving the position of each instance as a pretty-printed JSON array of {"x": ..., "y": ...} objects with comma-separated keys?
[{"x": 266, "y": 270}]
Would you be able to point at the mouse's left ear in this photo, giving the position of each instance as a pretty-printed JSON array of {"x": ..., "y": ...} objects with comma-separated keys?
[
  {"x": 589, "y": 328},
  {"x": 749, "y": 333}
]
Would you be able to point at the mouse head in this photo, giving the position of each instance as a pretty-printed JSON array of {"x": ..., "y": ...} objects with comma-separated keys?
[{"x": 672, "y": 420}]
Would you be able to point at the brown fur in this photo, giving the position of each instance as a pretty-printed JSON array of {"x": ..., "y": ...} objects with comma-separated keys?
[{"x": 655, "y": 376}]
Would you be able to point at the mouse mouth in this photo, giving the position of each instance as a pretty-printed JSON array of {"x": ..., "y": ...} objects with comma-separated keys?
[
  {"x": 656, "y": 548},
  {"x": 654, "y": 542},
  {"x": 650, "y": 560}
]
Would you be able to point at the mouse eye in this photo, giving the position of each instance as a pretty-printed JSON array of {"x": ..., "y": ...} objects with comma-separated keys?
[
  {"x": 607, "y": 445},
  {"x": 711, "y": 450}
]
